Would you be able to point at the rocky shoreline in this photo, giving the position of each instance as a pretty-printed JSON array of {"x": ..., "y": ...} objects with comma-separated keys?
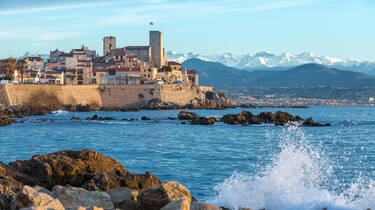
[
  {"x": 87, "y": 180},
  {"x": 10, "y": 113}
]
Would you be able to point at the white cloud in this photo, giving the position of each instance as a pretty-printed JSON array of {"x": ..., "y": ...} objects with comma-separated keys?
[
  {"x": 56, "y": 7},
  {"x": 51, "y": 36}
]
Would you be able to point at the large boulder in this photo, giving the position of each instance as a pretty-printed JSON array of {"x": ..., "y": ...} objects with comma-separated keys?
[
  {"x": 155, "y": 198},
  {"x": 117, "y": 179},
  {"x": 11, "y": 181},
  {"x": 181, "y": 204},
  {"x": 195, "y": 205},
  {"x": 73, "y": 197},
  {"x": 186, "y": 115},
  {"x": 67, "y": 167},
  {"x": 28, "y": 197},
  {"x": 124, "y": 198},
  {"x": 9, "y": 186}
]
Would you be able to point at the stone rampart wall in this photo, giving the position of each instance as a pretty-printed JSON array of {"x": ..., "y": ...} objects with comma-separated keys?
[{"x": 111, "y": 96}]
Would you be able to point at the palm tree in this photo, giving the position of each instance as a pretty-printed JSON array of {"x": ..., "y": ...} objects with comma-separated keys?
[{"x": 21, "y": 67}]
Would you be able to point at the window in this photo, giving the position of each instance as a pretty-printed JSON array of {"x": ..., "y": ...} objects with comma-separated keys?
[
  {"x": 80, "y": 77},
  {"x": 126, "y": 74},
  {"x": 94, "y": 74},
  {"x": 93, "y": 81},
  {"x": 80, "y": 82},
  {"x": 80, "y": 71},
  {"x": 112, "y": 72}
]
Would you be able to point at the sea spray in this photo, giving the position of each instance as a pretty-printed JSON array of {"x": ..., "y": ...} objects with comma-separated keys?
[{"x": 300, "y": 177}]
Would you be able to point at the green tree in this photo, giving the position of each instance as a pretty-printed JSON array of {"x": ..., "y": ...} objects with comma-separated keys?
[{"x": 166, "y": 68}]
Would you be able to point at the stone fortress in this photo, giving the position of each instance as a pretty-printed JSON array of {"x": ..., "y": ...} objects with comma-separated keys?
[{"x": 130, "y": 76}]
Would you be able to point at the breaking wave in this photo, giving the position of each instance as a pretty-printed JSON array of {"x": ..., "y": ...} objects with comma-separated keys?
[
  {"x": 299, "y": 177},
  {"x": 60, "y": 112}
]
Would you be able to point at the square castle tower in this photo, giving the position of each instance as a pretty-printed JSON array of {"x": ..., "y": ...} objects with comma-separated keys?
[{"x": 157, "y": 53}]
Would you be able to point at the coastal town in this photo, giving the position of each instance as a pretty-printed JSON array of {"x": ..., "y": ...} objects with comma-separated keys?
[{"x": 131, "y": 65}]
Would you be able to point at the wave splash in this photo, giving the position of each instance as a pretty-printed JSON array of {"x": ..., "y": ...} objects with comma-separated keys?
[
  {"x": 60, "y": 112},
  {"x": 297, "y": 178}
]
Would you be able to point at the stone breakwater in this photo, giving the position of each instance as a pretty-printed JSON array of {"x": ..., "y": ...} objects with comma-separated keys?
[{"x": 87, "y": 180}]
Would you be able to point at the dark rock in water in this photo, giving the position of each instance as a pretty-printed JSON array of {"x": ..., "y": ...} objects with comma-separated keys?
[
  {"x": 267, "y": 117},
  {"x": 186, "y": 115},
  {"x": 172, "y": 118},
  {"x": 283, "y": 118},
  {"x": 310, "y": 122},
  {"x": 145, "y": 118},
  {"x": 234, "y": 119},
  {"x": 77, "y": 108},
  {"x": 5, "y": 120},
  {"x": 117, "y": 179},
  {"x": 75, "y": 118},
  {"x": 203, "y": 121},
  {"x": 67, "y": 167},
  {"x": 95, "y": 117},
  {"x": 255, "y": 120}
]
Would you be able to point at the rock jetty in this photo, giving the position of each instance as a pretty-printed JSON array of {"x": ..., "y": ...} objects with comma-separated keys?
[
  {"x": 87, "y": 180},
  {"x": 247, "y": 118}
]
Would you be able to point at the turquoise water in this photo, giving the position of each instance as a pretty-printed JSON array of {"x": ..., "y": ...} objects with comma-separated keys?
[{"x": 260, "y": 166}]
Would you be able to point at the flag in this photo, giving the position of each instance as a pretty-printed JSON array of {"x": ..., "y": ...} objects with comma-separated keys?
[{"x": 151, "y": 23}]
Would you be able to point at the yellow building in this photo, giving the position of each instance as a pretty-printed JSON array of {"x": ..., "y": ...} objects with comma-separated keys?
[{"x": 174, "y": 65}]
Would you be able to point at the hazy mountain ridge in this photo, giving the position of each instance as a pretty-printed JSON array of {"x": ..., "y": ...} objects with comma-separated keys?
[
  {"x": 269, "y": 61},
  {"x": 306, "y": 75}
]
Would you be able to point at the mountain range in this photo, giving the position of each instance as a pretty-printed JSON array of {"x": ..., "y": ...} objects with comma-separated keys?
[
  {"x": 307, "y": 75},
  {"x": 270, "y": 61}
]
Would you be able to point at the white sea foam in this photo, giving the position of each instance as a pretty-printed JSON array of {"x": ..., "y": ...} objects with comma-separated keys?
[
  {"x": 60, "y": 112},
  {"x": 297, "y": 179}
]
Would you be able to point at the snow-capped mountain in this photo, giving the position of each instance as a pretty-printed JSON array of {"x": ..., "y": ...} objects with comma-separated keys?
[{"x": 267, "y": 60}]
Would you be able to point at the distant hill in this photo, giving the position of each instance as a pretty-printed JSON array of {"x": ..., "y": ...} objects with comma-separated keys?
[{"x": 307, "y": 75}]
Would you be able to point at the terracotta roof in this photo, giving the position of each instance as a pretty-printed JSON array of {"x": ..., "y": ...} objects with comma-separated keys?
[
  {"x": 191, "y": 71},
  {"x": 34, "y": 58},
  {"x": 173, "y": 63},
  {"x": 124, "y": 69},
  {"x": 100, "y": 70},
  {"x": 134, "y": 69}
]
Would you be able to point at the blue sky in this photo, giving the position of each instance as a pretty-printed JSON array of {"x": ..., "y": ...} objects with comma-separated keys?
[{"x": 336, "y": 28}]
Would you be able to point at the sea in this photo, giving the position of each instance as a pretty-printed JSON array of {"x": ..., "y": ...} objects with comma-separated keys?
[{"x": 258, "y": 166}]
